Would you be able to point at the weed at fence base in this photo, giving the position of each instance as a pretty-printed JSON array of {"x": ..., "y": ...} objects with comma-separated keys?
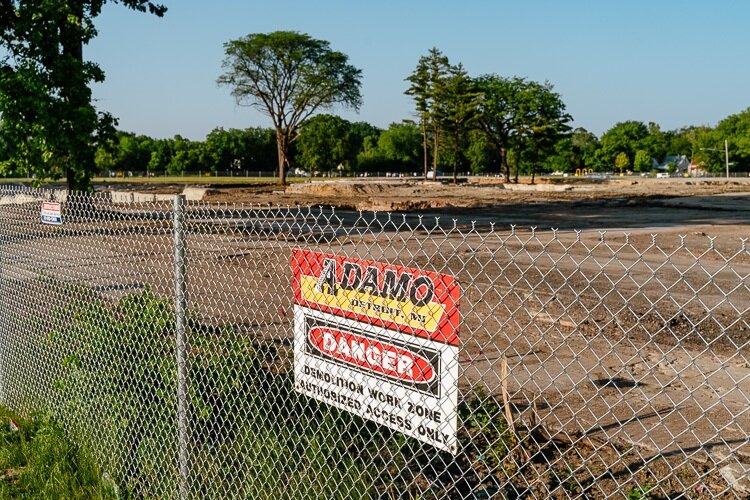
[{"x": 38, "y": 461}]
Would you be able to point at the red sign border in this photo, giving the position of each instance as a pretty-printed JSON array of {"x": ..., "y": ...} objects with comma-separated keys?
[{"x": 447, "y": 293}]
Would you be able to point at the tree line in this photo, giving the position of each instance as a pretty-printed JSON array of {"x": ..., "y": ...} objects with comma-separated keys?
[
  {"x": 491, "y": 124},
  {"x": 225, "y": 151},
  {"x": 331, "y": 145}
]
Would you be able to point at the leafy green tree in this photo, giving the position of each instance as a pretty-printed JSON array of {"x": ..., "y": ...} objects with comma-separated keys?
[
  {"x": 624, "y": 137},
  {"x": 622, "y": 161},
  {"x": 679, "y": 142},
  {"x": 329, "y": 142},
  {"x": 561, "y": 158},
  {"x": 186, "y": 156},
  {"x": 259, "y": 149},
  {"x": 427, "y": 87},
  {"x": 656, "y": 143},
  {"x": 400, "y": 143},
  {"x": 48, "y": 122},
  {"x": 398, "y": 148},
  {"x": 3, "y": 151},
  {"x": 735, "y": 129},
  {"x": 498, "y": 113},
  {"x": 127, "y": 153},
  {"x": 540, "y": 121},
  {"x": 521, "y": 116},
  {"x": 642, "y": 162},
  {"x": 707, "y": 148},
  {"x": 224, "y": 149},
  {"x": 104, "y": 160},
  {"x": 161, "y": 155},
  {"x": 370, "y": 158},
  {"x": 323, "y": 143},
  {"x": 288, "y": 76},
  {"x": 361, "y": 136},
  {"x": 236, "y": 150},
  {"x": 481, "y": 154},
  {"x": 585, "y": 147},
  {"x": 132, "y": 153}
]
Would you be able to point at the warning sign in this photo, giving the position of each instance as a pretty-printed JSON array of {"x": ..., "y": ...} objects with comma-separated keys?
[
  {"x": 379, "y": 341},
  {"x": 51, "y": 212}
]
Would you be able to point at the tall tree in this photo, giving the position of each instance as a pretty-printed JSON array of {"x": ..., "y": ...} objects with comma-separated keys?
[
  {"x": 498, "y": 113},
  {"x": 540, "y": 121},
  {"x": 458, "y": 102},
  {"x": 427, "y": 88},
  {"x": 48, "y": 120},
  {"x": 288, "y": 76},
  {"x": 420, "y": 91}
]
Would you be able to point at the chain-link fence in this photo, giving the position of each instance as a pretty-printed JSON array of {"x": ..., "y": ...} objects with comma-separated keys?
[{"x": 201, "y": 350}]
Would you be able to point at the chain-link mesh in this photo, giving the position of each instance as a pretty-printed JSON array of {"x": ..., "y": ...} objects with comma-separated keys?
[{"x": 589, "y": 364}]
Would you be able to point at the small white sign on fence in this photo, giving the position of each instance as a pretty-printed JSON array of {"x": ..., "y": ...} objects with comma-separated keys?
[{"x": 51, "y": 212}]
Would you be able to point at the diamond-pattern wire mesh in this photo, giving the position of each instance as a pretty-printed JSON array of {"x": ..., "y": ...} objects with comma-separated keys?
[
  {"x": 590, "y": 364},
  {"x": 84, "y": 333}
]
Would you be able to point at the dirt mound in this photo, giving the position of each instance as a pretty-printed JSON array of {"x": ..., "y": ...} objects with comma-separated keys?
[
  {"x": 341, "y": 188},
  {"x": 390, "y": 205},
  {"x": 394, "y": 196},
  {"x": 545, "y": 188}
]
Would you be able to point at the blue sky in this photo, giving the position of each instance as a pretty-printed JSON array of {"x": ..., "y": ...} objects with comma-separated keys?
[{"x": 673, "y": 62}]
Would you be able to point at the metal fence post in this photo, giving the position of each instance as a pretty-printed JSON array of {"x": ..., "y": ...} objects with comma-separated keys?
[{"x": 181, "y": 344}]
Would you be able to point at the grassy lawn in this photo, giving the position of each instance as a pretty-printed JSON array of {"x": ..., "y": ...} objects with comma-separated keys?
[
  {"x": 37, "y": 461},
  {"x": 191, "y": 179},
  {"x": 172, "y": 179}
]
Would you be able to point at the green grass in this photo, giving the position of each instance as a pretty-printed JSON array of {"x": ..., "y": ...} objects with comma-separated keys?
[
  {"x": 192, "y": 179},
  {"x": 38, "y": 461},
  {"x": 171, "y": 179},
  {"x": 124, "y": 409}
]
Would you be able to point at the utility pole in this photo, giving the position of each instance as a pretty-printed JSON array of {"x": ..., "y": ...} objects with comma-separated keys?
[{"x": 726, "y": 155}]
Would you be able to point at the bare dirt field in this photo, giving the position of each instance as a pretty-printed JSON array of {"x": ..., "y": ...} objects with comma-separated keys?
[{"x": 671, "y": 205}]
